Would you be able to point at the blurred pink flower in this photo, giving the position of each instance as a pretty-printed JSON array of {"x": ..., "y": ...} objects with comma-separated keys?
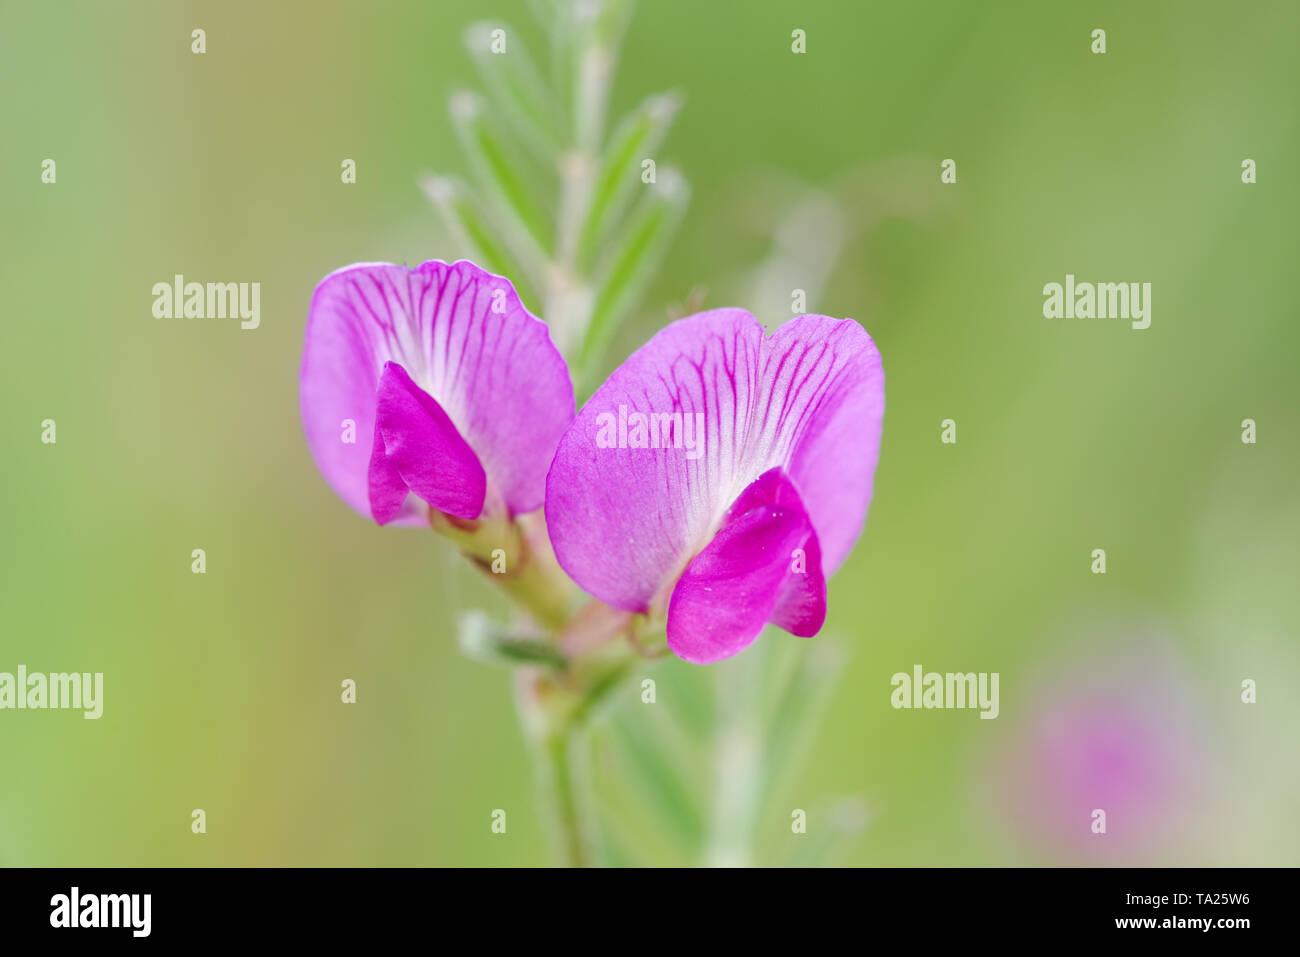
[{"x": 1125, "y": 741}]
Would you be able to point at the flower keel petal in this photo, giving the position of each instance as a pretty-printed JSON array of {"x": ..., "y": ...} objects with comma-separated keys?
[
  {"x": 387, "y": 490},
  {"x": 423, "y": 447},
  {"x": 729, "y": 591},
  {"x": 801, "y": 606}
]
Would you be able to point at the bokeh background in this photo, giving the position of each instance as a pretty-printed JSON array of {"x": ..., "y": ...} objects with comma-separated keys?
[{"x": 222, "y": 690}]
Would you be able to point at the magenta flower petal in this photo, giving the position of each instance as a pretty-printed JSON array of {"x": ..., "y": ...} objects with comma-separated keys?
[
  {"x": 627, "y": 515},
  {"x": 469, "y": 349},
  {"x": 801, "y": 602},
  {"x": 387, "y": 489},
  {"x": 757, "y": 563},
  {"x": 423, "y": 449}
]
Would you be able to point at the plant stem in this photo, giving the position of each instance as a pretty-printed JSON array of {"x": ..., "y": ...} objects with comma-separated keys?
[
  {"x": 533, "y": 588},
  {"x": 551, "y": 717},
  {"x": 737, "y": 786},
  {"x": 559, "y": 749},
  {"x": 555, "y": 706},
  {"x": 515, "y": 557},
  {"x": 569, "y": 296}
]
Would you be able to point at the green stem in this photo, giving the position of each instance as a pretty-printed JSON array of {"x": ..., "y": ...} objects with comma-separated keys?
[
  {"x": 738, "y": 782},
  {"x": 569, "y": 297},
  {"x": 559, "y": 747},
  {"x": 554, "y": 708},
  {"x": 535, "y": 590},
  {"x": 507, "y": 554}
]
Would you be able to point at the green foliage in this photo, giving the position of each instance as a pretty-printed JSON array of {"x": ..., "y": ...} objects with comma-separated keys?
[
  {"x": 703, "y": 774},
  {"x": 551, "y": 202}
]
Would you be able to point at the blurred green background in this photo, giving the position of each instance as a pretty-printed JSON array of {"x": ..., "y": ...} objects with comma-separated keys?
[{"x": 222, "y": 690}]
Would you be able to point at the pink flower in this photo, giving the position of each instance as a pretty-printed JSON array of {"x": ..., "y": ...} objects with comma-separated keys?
[
  {"x": 722, "y": 474},
  {"x": 1116, "y": 730},
  {"x": 431, "y": 384}
]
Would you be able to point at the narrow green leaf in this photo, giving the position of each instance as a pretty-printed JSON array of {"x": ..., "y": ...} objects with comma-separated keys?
[
  {"x": 495, "y": 166},
  {"x": 603, "y": 22},
  {"x": 516, "y": 88},
  {"x": 619, "y": 173},
  {"x": 480, "y": 639},
  {"x": 633, "y": 258},
  {"x": 548, "y": 11},
  {"x": 661, "y": 786},
  {"x": 798, "y": 707},
  {"x": 556, "y": 17},
  {"x": 472, "y": 230},
  {"x": 599, "y": 29}
]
